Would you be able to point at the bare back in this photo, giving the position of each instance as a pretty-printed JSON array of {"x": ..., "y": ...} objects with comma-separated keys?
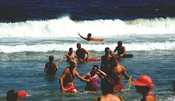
[{"x": 109, "y": 97}]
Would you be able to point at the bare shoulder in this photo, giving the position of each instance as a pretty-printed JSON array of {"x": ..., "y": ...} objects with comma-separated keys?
[
  {"x": 122, "y": 67},
  {"x": 111, "y": 97},
  {"x": 55, "y": 63},
  {"x": 150, "y": 98},
  {"x": 66, "y": 70}
]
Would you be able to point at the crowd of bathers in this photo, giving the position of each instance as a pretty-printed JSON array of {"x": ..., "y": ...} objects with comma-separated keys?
[{"x": 110, "y": 72}]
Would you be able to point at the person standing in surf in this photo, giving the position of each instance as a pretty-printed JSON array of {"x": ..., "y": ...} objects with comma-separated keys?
[
  {"x": 144, "y": 86},
  {"x": 51, "y": 67},
  {"x": 121, "y": 49},
  {"x": 70, "y": 56},
  {"x": 116, "y": 72},
  {"x": 92, "y": 85},
  {"x": 80, "y": 52},
  {"x": 66, "y": 79},
  {"x": 105, "y": 60}
]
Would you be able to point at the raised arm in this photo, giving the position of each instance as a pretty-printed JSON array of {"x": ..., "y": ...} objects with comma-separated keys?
[
  {"x": 63, "y": 58},
  {"x": 82, "y": 36}
]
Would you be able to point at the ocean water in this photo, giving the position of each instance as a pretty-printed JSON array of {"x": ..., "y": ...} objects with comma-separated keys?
[{"x": 32, "y": 30}]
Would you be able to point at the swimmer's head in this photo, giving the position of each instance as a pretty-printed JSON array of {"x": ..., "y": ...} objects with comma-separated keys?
[
  {"x": 119, "y": 43},
  {"x": 70, "y": 50},
  {"x": 12, "y": 95},
  {"x": 89, "y": 35},
  {"x": 51, "y": 58},
  {"x": 78, "y": 45}
]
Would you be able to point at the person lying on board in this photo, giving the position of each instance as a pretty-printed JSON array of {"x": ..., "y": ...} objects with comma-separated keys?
[
  {"x": 51, "y": 67},
  {"x": 81, "y": 52},
  {"x": 66, "y": 79},
  {"x": 89, "y": 38},
  {"x": 94, "y": 78},
  {"x": 70, "y": 56},
  {"x": 121, "y": 49}
]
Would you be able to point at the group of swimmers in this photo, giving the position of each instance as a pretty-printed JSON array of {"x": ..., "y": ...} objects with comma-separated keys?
[{"x": 110, "y": 73}]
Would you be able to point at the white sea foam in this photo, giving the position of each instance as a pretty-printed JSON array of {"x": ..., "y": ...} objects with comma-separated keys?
[
  {"x": 90, "y": 47},
  {"x": 65, "y": 27}
]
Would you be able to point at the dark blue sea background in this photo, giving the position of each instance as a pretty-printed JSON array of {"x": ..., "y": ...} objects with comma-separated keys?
[{"x": 31, "y": 31}]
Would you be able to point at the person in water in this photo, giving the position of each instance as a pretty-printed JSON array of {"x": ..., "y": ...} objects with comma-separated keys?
[
  {"x": 105, "y": 60},
  {"x": 120, "y": 48},
  {"x": 93, "y": 77},
  {"x": 144, "y": 86},
  {"x": 12, "y": 95},
  {"x": 66, "y": 79},
  {"x": 80, "y": 52},
  {"x": 116, "y": 72},
  {"x": 70, "y": 56},
  {"x": 88, "y": 38},
  {"x": 107, "y": 91},
  {"x": 51, "y": 67}
]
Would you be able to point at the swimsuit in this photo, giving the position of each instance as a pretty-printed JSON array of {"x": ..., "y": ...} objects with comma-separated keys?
[
  {"x": 93, "y": 84},
  {"x": 118, "y": 87},
  {"x": 69, "y": 89}
]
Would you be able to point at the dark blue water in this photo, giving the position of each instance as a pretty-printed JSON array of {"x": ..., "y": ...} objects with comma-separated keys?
[{"x": 22, "y": 10}]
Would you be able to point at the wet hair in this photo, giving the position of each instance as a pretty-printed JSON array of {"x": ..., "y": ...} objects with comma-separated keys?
[
  {"x": 70, "y": 49},
  {"x": 107, "y": 88},
  {"x": 113, "y": 62},
  {"x": 89, "y": 34},
  {"x": 94, "y": 67},
  {"x": 51, "y": 58},
  {"x": 120, "y": 43},
  {"x": 12, "y": 95},
  {"x": 79, "y": 44},
  {"x": 106, "y": 49}
]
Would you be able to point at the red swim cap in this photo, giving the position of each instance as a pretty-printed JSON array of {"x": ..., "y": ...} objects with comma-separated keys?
[
  {"x": 22, "y": 94},
  {"x": 143, "y": 80}
]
